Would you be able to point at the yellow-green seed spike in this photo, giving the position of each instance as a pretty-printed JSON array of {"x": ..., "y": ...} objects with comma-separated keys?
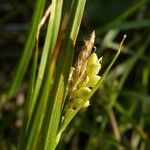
[
  {"x": 93, "y": 80},
  {"x": 81, "y": 62},
  {"x": 93, "y": 69},
  {"x": 93, "y": 59},
  {"x": 86, "y": 104},
  {"x": 83, "y": 92}
]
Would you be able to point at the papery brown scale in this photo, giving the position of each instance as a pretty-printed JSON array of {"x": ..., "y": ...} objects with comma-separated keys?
[{"x": 81, "y": 62}]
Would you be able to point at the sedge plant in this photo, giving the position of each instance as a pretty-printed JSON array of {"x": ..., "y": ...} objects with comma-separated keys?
[{"x": 57, "y": 91}]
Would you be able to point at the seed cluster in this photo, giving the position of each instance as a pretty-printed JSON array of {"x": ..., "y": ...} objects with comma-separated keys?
[
  {"x": 84, "y": 76},
  {"x": 81, "y": 63}
]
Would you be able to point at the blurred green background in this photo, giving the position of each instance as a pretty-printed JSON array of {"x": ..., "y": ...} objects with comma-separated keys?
[{"x": 119, "y": 114}]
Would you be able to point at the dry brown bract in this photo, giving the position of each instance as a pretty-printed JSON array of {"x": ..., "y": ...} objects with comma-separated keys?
[{"x": 81, "y": 63}]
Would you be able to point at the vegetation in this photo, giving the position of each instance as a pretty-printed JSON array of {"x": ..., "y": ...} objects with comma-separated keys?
[{"x": 70, "y": 90}]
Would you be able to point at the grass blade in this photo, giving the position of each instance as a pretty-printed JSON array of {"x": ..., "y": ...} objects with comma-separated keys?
[
  {"x": 38, "y": 112},
  {"x": 63, "y": 67},
  {"x": 28, "y": 50}
]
